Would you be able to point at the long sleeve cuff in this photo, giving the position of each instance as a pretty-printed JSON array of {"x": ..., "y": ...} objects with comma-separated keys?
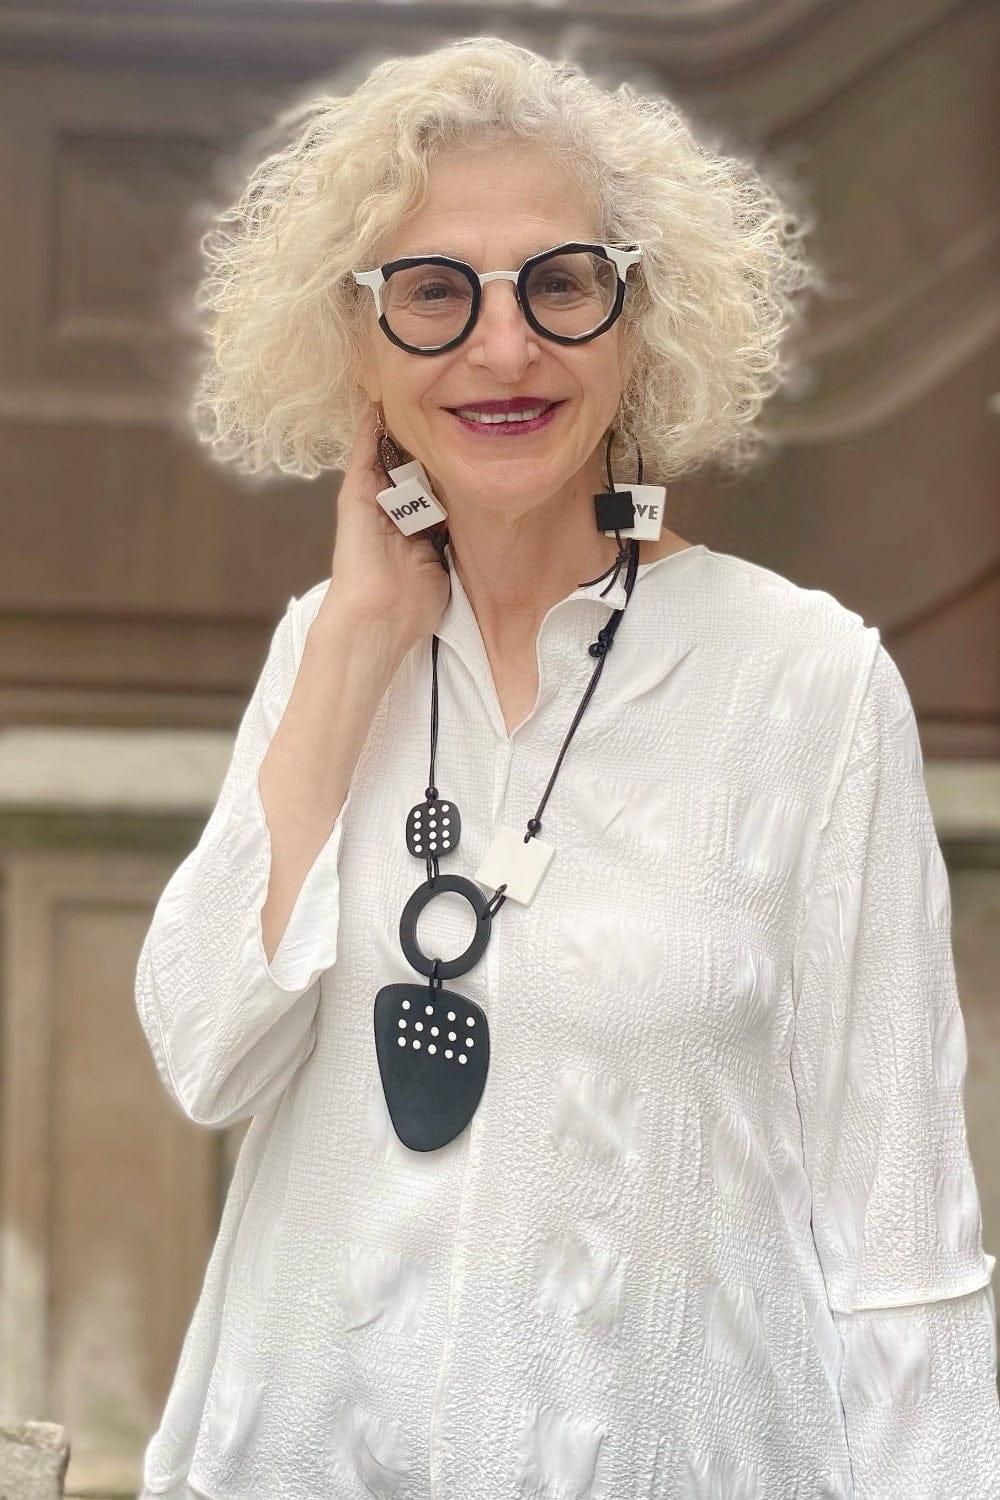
[
  {"x": 919, "y": 1388},
  {"x": 309, "y": 943}
]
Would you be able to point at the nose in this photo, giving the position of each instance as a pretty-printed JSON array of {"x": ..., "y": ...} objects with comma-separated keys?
[{"x": 502, "y": 334}]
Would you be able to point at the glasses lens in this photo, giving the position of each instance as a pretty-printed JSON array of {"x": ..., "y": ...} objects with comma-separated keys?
[
  {"x": 572, "y": 294},
  {"x": 427, "y": 305}
]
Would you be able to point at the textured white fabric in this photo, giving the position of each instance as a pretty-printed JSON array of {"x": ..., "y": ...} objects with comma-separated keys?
[{"x": 713, "y": 1230}]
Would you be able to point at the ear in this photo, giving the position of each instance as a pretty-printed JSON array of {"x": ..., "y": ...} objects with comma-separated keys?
[
  {"x": 367, "y": 370},
  {"x": 626, "y": 363}
]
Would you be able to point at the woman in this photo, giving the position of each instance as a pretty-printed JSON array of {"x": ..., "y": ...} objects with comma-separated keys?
[{"x": 703, "y": 1222}]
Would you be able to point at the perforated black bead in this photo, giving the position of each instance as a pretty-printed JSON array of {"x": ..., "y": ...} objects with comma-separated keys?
[{"x": 433, "y": 828}]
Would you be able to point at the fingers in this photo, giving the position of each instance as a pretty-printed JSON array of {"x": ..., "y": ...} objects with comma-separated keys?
[{"x": 362, "y": 476}]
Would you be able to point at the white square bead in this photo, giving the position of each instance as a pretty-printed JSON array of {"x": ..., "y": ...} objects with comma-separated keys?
[
  {"x": 520, "y": 864},
  {"x": 412, "y": 470},
  {"x": 410, "y": 506}
]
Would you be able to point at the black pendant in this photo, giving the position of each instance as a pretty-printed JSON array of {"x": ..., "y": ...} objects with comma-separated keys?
[
  {"x": 433, "y": 1045},
  {"x": 433, "y": 828},
  {"x": 433, "y": 1079}
]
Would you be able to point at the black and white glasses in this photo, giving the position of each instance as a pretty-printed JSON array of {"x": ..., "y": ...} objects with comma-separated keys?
[{"x": 428, "y": 304}]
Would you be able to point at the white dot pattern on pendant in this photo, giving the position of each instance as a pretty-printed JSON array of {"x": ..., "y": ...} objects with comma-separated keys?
[
  {"x": 432, "y": 826},
  {"x": 449, "y": 1053}
]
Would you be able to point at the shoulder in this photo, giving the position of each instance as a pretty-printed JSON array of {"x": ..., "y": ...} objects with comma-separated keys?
[
  {"x": 803, "y": 646},
  {"x": 776, "y": 603},
  {"x": 793, "y": 662}
]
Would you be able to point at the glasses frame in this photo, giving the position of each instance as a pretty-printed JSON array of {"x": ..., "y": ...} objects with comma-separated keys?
[{"x": 620, "y": 256}]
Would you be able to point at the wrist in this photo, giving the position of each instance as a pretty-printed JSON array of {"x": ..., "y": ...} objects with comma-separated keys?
[{"x": 379, "y": 643}]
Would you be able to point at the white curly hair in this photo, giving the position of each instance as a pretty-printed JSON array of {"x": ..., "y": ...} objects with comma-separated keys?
[{"x": 708, "y": 316}]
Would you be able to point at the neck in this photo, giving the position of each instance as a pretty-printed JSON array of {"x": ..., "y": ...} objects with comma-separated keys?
[{"x": 513, "y": 569}]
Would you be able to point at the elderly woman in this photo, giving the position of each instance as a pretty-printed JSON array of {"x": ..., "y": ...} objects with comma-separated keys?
[{"x": 571, "y": 926}]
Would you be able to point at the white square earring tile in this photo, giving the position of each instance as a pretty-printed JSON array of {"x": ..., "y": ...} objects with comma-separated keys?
[{"x": 649, "y": 501}]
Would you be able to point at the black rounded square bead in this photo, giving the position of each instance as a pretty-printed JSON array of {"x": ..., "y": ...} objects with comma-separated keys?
[
  {"x": 613, "y": 510},
  {"x": 433, "y": 828}
]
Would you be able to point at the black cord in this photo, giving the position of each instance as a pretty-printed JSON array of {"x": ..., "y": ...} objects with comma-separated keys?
[{"x": 598, "y": 648}]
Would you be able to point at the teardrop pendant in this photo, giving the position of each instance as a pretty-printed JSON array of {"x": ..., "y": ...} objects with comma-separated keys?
[{"x": 433, "y": 1049}]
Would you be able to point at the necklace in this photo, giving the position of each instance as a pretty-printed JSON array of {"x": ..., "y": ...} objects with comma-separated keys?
[{"x": 433, "y": 1044}]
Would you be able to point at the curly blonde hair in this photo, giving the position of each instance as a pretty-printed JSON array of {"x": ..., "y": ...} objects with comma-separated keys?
[{"x": 707, "y": 314}]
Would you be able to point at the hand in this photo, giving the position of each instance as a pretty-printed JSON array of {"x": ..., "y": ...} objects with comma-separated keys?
[{"x": 378, "y": 574}]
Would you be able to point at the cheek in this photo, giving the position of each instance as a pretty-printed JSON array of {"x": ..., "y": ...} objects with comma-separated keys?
[
  {"x": 599, "y": 382},
  {"x": 408, "y": 398}
]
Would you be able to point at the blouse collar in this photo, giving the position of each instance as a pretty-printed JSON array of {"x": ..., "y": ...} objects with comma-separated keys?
[{"x": 459, "y": 628}]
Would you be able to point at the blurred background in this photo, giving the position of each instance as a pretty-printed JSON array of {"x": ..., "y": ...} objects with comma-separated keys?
[{"x": 140, "y": 584}]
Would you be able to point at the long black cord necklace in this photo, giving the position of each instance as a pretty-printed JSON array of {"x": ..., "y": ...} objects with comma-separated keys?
[{"x": 433, "y": 1045}]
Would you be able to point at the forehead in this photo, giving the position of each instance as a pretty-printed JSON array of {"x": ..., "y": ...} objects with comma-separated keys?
[{"x": 493, "y": 206}]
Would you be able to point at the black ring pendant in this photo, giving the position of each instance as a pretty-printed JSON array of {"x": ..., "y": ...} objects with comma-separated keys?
[
  {"x": 422, "y": 896},
  {"x": 433, "y": 1045}
]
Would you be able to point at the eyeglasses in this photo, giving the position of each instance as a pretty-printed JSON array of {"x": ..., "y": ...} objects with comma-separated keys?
[{"x": 428, "y": 304}]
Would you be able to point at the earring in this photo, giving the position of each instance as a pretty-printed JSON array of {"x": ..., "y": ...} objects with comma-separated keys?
[
  {"x": 630, "y": 510},
  {"x": 409, "y": 502}
]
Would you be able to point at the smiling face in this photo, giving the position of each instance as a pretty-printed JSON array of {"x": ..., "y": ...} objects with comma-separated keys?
[{"x": 493, "y": 207}]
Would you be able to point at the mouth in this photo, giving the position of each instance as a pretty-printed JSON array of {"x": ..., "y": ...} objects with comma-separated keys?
[{"x": 510, "y": 423}]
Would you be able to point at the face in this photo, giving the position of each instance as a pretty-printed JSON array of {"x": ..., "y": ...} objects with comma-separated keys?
[{"x": 493, "y": 207}]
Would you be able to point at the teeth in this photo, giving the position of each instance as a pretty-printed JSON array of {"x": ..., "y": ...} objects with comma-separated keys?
[{"x": 528, "y": 415}]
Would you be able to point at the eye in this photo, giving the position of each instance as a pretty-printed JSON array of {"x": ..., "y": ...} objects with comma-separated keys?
[
  {"x": 554, "y": 278},
  {"x": 425, "y": 292}
]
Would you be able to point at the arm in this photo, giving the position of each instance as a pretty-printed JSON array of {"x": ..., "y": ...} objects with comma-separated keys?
[
  {"x": 878, "y": 1061},
  {"x": 227, "y": 982}
]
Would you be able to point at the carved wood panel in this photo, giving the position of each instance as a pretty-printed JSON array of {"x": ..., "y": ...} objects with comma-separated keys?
[
  {"x": 110, "y": 1195},
  {"x": 111, "y": 121}
]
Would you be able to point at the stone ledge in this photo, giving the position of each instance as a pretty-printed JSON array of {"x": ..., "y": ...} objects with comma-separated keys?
[
  {"x": 159, "y": 771},
  {"x": 176, "y": 771},
  {"x": 34, "y": 1457}
]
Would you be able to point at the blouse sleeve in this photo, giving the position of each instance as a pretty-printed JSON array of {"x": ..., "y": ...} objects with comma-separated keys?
[
  {"x": 227, "y": 1029},
  {"x": 920, "y": 1398},
  {"x": 878, "y": 1063}
]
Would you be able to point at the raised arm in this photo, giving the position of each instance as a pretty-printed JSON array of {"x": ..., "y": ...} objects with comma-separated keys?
[
  {"x": 227, "y": 979},
  {"x": 227, "y": 983}
]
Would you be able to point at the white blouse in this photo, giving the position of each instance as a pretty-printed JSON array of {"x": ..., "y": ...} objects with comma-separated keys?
[{"x": 713, "y": 1230}]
